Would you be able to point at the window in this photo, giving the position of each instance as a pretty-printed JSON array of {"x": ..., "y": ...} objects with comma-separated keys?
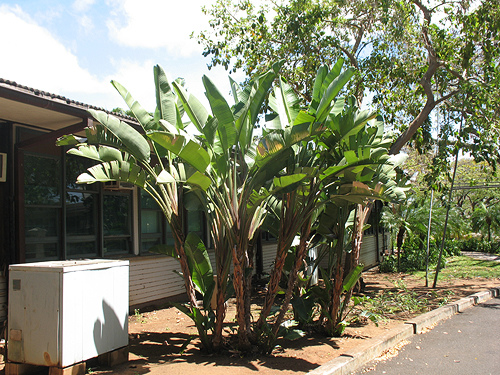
[
  {"x": 82, "y": 213},
  {"x": 154, "y": 228},
  {"x": 117, "y": 222},
  {"x": 42, "y": 198}
]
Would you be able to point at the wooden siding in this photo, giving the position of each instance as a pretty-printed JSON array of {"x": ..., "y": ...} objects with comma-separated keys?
[
  {"x": 152, "y": 278},
  {"x": 368, "y": 255},
  {"x": 268, "y": 256}
]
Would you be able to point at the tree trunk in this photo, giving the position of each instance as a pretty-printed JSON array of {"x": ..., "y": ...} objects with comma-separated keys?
[
  {"x": 239, "y": 289},
  {"x": 292, "y": 278},
  {"x": 357, "y": 241},
  {"x": 285, "y": 238}
]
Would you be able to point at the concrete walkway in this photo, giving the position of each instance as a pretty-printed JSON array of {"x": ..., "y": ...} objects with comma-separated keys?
[
  {"x": 488, "y": 323},
  {"x": 467, "y": 343},
  {"x": 482, "y": 256}
]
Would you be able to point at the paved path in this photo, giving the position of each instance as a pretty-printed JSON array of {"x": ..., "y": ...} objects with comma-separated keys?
[
  {"x": 482, "y": 256},
  {"x": 467, "y": 343}
]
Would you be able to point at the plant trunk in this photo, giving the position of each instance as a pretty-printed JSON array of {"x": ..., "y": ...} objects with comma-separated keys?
[
  {"x": 285, "y": 238},
  {"x": 353, "y": 260},
  {"x": 292, "y": 278},
  {"x": 338, "y": 276},
  {"x": 399, "y": 244},
  {"x": 248, "y": 288},
  {"x": 222, "y": 270},
  {"x": 239, "y": 289}
]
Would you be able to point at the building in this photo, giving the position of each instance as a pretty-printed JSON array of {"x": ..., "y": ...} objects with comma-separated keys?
[{"x": 47, "y": 216}]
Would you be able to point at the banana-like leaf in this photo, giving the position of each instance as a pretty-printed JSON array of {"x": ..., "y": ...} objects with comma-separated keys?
[
  {"x": 268, "y": 146},
  {"x": 131, "y": 139},
  {"x": 100, "y": 153},
  {"x": 69, "y": 140},
  {"x": 165, "y": 98},
  {"x": 318, "y": 83},
  {"x": 194, "y": 109},
  {"x": 223, "y": 113},
  {"x": 324, "y": 78},
  {"x": 165, "y": 178},
  {"x": 114, "y": 171},
  {"x": 352, "y": 278},
  {"x": 199, "y": 263},
  {"x": 145, "y": 119},
  {"x": 185, "y": 148},
  {"x": 325, "y": 105},
  {"x": 200, "y": 180}
]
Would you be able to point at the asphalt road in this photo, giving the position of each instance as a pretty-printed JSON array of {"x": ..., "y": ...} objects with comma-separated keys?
[{"x": 466, "y": 344}]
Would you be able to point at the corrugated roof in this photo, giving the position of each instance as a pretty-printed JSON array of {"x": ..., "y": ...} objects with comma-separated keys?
[{"x": 58, "y": 98}]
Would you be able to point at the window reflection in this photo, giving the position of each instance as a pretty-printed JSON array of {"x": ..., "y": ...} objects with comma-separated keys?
[{"x": 42, "y": 180}]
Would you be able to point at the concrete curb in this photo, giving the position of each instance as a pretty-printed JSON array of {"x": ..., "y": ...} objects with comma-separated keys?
[{"x": 353, "y": 359}]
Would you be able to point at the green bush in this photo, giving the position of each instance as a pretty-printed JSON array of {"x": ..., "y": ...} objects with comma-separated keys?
[
  {"x": 475, "y": 244},
  {"x": 413, "y": 255},
  {"x": 389, "y": 264}
]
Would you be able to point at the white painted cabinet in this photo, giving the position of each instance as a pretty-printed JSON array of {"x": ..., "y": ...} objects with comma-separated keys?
[{"x": 65, "y": 312}]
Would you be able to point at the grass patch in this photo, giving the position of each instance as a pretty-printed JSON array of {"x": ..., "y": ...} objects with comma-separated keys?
[{"x": 463, "y": 267}]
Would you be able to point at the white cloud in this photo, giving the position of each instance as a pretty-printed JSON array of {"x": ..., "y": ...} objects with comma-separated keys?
[
  {"x": 85, "y": 23},
  {"x": 82, "y": 5},
  {"x": 137, "y": 78},
  {"x": 37, "y": 59},
  {"x": 158, "y": 23}
]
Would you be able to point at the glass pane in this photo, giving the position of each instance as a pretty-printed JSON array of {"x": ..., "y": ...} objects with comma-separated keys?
[
  {"x": 75, "y": 166},
  {"x": 81, "y": 249},
  {"x": 148, "y": 202},
  {"x": 41, "y": 223},
  {"x": 42, "y": 183},
  {"x": 81, "y": 213},
  {"x": 148, "y": 243},
  {"x": 116, "y": 215},
  {"x": 116, "y": 246},
  {"x": 150, "y": 221},
  {"x": 41, "y": 251}
]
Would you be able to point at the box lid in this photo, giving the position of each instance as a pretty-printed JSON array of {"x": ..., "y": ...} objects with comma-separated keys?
[{"x": 69, "y": 265}]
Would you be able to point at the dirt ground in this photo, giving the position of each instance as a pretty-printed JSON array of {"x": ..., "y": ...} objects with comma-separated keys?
[{"x": 156, "y": 337}]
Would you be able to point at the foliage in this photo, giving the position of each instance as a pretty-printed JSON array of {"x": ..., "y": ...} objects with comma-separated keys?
[
  {"x": 413, "y": 256},
  {"x": 397, "y": 300},
  {"x": 475, "y": 244},
  {"x": 414, "y": 57},
  {"x": 126, "y": 155}
]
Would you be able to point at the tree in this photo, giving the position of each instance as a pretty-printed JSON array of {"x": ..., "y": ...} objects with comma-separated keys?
[
  {"x": 413, "y": 57},
  {"x": 486, "y": 218},
  {"x": 124, "y": 154}
]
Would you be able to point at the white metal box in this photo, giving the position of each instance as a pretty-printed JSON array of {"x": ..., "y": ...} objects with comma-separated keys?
[{"x": 65, "y": 312}]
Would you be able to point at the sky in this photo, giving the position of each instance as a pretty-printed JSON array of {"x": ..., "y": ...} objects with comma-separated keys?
[{"x": 74, "y": 48}]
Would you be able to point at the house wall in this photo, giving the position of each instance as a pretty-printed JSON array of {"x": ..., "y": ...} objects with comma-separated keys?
[{"x": 152, "y": 278}]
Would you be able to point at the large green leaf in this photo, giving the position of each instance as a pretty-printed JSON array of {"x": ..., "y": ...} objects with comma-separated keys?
[
  {"x": 114, "y": 171},
  {"x": 131, "y": 139},
  {"x": 325, "y": 105},
  {"x": 194, "y": 109},
  {"x": 221, "y": 110},
  {"x": 185, "y": 148},
  {"x": 69, "y": 140},
  {"x": 199, "y": 263},
  {"x": 352, "y": 278},
  {"x": 144, "y": 118},
  {"x": 99, "y": 153},
  {"x": 165, "y": 98}
]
